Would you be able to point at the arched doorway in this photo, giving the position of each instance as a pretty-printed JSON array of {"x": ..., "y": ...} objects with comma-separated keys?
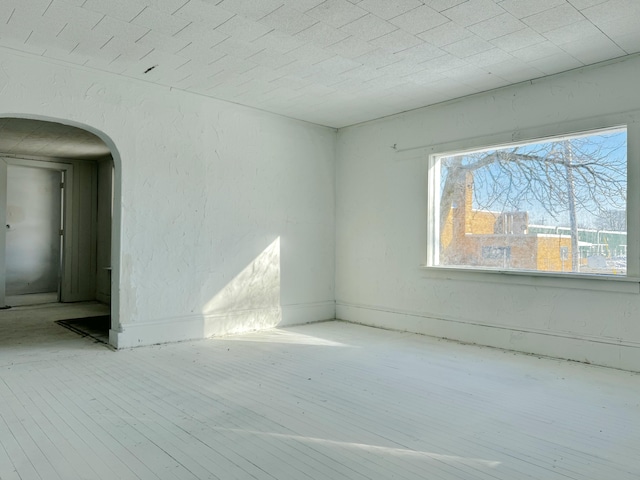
[{"x": 58, "y": 204}]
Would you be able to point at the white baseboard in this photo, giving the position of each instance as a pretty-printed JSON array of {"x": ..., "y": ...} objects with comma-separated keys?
[
  {"x": 595, "y": 350},
  {"x": 307, "y": 313},
  {"x": 193, "y": 327},
  {"x": 103, "y": 298}
]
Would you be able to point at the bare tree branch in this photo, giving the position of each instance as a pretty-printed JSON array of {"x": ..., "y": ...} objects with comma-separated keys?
[{"x": 515, "y": 178}]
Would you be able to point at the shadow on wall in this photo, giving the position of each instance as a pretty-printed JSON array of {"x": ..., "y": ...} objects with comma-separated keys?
[{"x": 251, "y": 301}]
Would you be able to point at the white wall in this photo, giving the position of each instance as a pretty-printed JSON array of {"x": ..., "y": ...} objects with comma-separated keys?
[
  {"x": 224, "y": 215},
  {"x": 381, "y": 227}
]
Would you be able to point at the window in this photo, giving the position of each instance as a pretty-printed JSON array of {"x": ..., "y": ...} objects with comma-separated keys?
[{"x": 554, "y": 205}]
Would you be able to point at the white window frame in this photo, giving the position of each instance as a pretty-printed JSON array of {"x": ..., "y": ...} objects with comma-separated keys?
[{"x": 623, "y": 283}]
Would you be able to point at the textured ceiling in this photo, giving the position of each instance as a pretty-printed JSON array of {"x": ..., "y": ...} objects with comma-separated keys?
[
  {"x": 333, "y": 62},
  {"x": 22, "y": 137}
]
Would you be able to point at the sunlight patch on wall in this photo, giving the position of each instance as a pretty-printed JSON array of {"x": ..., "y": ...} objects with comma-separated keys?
[{"x": 251, "y": 301}]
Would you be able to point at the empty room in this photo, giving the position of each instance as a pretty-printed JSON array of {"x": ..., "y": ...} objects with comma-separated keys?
[{"x": 320, "y": 239}]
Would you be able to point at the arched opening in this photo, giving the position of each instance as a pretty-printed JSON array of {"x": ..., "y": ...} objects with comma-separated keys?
[{"x": 59, "y": 207}]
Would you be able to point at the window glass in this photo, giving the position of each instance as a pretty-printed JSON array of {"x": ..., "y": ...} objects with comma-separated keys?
[{"x": 553, "y": 205}]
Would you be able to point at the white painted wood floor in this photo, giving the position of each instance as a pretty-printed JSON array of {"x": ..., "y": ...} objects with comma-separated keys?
[{"x": 323, "y": 401}]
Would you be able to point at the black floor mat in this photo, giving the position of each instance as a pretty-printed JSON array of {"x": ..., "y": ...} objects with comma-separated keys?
[{"x": 94, "y": 327}]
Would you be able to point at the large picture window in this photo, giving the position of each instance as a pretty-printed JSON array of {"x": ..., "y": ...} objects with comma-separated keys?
[{"x": 554, "y": 205}]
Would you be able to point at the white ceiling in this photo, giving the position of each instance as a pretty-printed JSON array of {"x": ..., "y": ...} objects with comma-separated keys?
[
  {"x": 19, "y": 136},
  {"x": 333, "y": 62}
]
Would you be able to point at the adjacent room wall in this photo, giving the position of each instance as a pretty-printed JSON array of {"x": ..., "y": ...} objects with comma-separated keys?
[
  {"x": 104, "y": 218},
  {"x": 3, "y": 238},
  {"x": 224, "y": 215},
  {"x": 381, "y": 227}
]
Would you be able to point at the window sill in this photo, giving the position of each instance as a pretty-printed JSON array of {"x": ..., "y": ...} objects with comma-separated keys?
[{"x": 599, "y": 283}]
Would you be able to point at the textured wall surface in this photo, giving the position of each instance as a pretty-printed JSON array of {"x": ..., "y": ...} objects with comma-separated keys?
[
  {"x": 381, "y": 198},
  {"x": 208, "y": 196}
]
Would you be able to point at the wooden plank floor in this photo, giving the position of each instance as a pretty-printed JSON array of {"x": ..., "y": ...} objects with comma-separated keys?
[{"x": 323, "y": 401}]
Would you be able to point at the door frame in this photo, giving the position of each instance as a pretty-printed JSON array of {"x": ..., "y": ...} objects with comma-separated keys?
[
  {"x": 116, "y": 220},
  {"x": 67, "y": 218}
]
